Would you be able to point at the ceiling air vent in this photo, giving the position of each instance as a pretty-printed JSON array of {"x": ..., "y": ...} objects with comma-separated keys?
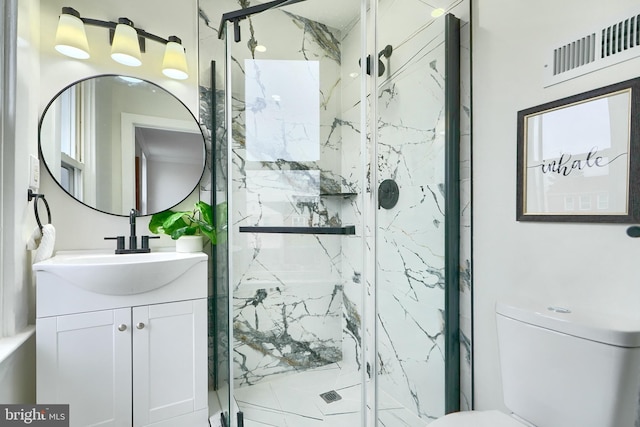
[{"x": 599, "y": 49}]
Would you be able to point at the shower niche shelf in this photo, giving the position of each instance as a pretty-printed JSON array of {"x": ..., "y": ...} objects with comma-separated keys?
[
  {"x": 345, "y": 195},
  {"x": 346, "y": 230}
]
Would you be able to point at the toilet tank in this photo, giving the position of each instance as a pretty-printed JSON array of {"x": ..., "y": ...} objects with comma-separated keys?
[{"x": 569, "y": 366}]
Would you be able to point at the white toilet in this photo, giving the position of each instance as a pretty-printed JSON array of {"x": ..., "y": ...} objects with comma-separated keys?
[{"x": 563, "y": 367}]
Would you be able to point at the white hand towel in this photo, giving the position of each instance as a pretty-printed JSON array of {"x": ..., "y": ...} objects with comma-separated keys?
[
  {"x": 34, "y": 240},
  {"x": 43, "y": 243}
]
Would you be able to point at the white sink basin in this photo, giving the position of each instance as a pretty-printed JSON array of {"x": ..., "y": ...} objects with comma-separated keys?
[{"x": 124, "y": 274}]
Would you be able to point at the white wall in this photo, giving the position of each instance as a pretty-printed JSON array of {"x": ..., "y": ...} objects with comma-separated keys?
[
  {"x": 17, "y": 364},
  {"x": 562, "y": 264},
  {"x": 25, "y": 145}
]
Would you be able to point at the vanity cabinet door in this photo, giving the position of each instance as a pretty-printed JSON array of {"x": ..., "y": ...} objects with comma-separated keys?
[
  {"x": 170, "y": 364},
  {"x": 84, "y": 360}
]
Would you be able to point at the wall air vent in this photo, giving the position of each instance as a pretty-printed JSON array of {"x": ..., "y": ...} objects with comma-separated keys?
[
  {"x": 574, "y": 54},
  {"x": 620, "y": 37},
  {"x": 599, "y": 49}
]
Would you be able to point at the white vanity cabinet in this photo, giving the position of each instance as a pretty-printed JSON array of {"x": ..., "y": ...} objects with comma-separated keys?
[
  {"x": 124, "y": 360},
  {"x": 169, "y": 345},
  {"x": 84, "y": 361}
]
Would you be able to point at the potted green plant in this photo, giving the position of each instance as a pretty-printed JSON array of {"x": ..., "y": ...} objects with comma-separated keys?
[{"x": 188, "y": 228}]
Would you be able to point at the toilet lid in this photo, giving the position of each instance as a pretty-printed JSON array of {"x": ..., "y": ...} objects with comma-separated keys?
[{"x": 477, "y": 419}]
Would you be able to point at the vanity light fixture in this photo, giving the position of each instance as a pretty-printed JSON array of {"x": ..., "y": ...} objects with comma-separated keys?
[
  {"x": 125, "y": 47},
  {"x": 174, "y": 64},
  {"x": 127, "y": 42},
  {"x": 71, "y": 39}
]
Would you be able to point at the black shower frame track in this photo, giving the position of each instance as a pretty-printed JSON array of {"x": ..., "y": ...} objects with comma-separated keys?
[
  {"x": 214, "y": 202},
  {"x": 452, "y": 214},
  {"x": 238, "y": 15}
]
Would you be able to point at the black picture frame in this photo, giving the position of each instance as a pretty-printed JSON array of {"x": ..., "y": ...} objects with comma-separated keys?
[{"x": 577, "y": 157}]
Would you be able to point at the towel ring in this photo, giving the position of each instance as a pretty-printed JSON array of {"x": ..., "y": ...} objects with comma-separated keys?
[{"x": 30, "y": 196}]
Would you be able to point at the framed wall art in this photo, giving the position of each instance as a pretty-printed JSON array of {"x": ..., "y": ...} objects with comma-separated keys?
[{"x": 578, "y": 157}]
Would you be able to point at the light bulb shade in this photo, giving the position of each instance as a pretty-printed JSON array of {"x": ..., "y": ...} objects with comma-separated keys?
[
  {"x": 71, "y": 39},
  {"x": 174, "y": 64},
  {"x": 125, "y": 48}
]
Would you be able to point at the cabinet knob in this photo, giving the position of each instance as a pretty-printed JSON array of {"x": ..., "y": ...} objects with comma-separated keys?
[
  {"x": 140, "y": 325},
  {"x": 122, "y": 327}
]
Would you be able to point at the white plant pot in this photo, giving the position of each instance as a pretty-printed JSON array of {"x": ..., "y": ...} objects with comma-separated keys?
[{"x": 189, "y": 244}]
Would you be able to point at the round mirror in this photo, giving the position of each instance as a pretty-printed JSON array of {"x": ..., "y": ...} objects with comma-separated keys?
[{"x": 115, "y": 143}]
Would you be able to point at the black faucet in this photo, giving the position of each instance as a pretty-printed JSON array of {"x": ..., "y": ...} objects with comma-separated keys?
[{"x": 133, "y": 239}]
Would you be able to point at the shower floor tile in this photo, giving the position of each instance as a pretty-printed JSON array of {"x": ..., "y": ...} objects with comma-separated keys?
[{"x": 294, "y": 401}]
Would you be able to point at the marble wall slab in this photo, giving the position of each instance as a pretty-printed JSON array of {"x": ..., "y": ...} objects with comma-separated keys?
[{"x": 284, "y": 328}]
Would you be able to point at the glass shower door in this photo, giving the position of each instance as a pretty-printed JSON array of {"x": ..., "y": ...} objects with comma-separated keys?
[
  {"x": 416, "y": 224},
  {"x": 342, "y": 222},
  {"x": 295, "y": 188}
]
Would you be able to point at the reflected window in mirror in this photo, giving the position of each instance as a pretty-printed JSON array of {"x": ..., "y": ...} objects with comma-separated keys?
[{"x": 70, "y": 107}]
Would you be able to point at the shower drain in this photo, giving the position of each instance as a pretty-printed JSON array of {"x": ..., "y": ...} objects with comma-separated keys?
[{"x": 331, "y": 396}]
